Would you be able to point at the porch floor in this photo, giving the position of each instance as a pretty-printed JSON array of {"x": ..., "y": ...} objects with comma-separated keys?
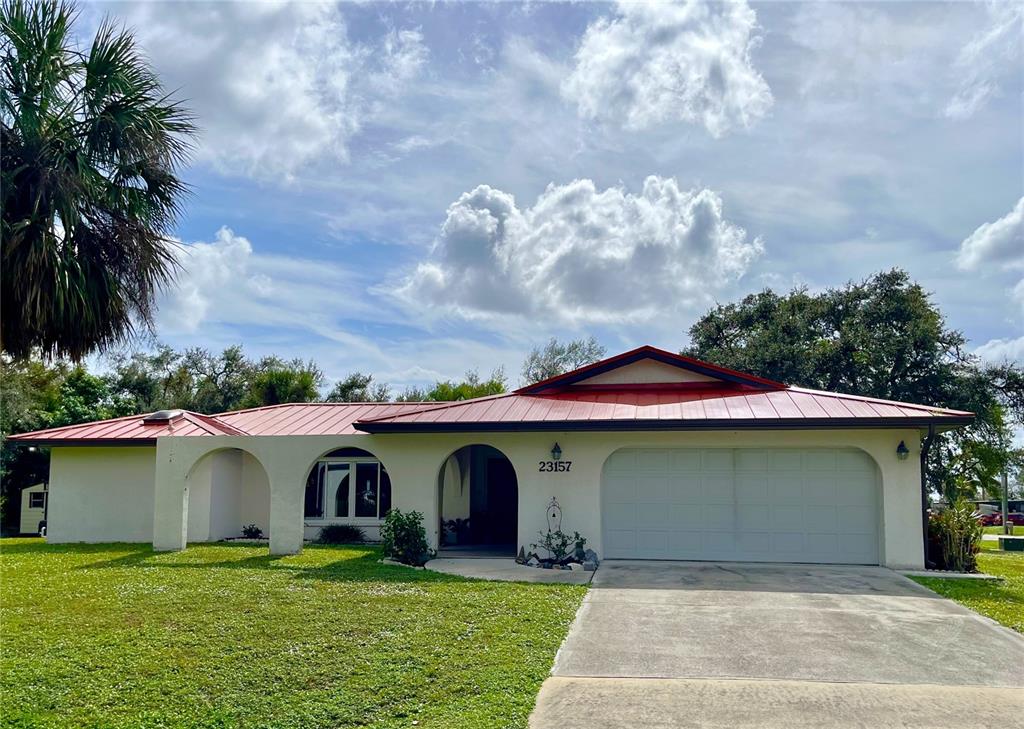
[{"x": 478, "y": 551}]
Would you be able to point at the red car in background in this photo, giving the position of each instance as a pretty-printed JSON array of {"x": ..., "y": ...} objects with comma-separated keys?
[{"x": 1015, "y": 518}]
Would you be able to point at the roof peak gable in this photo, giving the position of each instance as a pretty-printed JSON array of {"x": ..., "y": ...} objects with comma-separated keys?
[{"x": 697, "y": 372}]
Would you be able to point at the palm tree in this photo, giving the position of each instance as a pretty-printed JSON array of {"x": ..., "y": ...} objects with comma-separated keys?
[{"x": 90, "y": 150}]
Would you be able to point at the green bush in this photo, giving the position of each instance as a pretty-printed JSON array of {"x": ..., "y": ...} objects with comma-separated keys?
[
  {"x": 251, "y": 531},
  {"x": 340, "y": 534},
  {"x": 403, "y": 537},
  {"x": 956, "y": 532}
]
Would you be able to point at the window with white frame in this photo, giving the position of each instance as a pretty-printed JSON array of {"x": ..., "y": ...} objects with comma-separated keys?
[
  {"x": 36, "y": 500},
  {"x": 344, "y": 486}
]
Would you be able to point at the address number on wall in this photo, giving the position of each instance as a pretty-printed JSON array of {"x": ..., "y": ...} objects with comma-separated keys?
[{"x": 556, "y": 466}]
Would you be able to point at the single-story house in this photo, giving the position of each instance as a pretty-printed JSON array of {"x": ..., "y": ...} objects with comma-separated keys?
[{"x": 649, "y": 454}]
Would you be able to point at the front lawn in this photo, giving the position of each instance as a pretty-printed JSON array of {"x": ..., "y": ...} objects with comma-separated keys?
[
  {"x": 1002, "y": 601},
  {"x": 114, "y": 635}
]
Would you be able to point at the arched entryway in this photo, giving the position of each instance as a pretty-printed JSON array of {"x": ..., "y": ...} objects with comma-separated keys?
[
  {"x": 479, "y": 502},
  {"x": 227, "y": 491}
]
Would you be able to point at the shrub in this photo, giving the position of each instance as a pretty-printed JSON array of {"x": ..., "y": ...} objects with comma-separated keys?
[
  {"x": 957, "y": 532},
  {"x": 557, "y": 544},
  {"x": 251, "y": 531},
  {"x": 403, "y": 537},
  {"x": 340, "y": 534}
]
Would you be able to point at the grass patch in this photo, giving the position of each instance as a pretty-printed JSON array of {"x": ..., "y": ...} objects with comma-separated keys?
[
  {"x": 115, "y": 635},
  {"x": 1001, "y": 601}
]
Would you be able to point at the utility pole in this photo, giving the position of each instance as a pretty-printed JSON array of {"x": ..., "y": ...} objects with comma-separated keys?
[{"x": 1006, "y": 506}]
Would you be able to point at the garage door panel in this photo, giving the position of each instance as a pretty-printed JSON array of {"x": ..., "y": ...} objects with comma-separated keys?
[
  {"x": 751, "y": 461},
  {"x": 686, "y": 516},
  {"x": 719, "y": 516},
  {"x": 652, "y": 460},
  {"x": 785, "y": 488},
  {"x": 818, "y": 490},
  {"x": 652, "y": 516},
  {"x": 717, "y": 488},
  {"x": 685, "y": 460},
  {"x": 623, "y": 516},
  {"x": 769, "y": 505},
  {"x": 717, "y": 460},
  {"x": 823, "y": 519},
  {"x": 856, "y": 519},
  {"x": 751, "y": 488},
  {"x": 752, "y": 516}
]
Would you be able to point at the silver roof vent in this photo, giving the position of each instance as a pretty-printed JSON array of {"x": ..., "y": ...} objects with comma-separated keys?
[{"x": 162, "y": 417}]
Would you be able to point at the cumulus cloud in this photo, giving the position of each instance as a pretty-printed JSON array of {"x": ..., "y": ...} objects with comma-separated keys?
[
  {"x": 688, "y": 61},
  {"x": 276, "y": 86},
  {"x": 580, "y": 254},
  {"x": 999, "y": 244},
  {"x": 987, "y": 60}
]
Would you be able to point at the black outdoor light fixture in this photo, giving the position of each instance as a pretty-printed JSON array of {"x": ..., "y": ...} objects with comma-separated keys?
[
  {"x": 556, "y": 453},
  {"x": 902, "y": 452}
]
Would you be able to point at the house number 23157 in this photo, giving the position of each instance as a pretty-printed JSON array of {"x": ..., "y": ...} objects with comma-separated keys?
[{"x": 556, "y": 466}]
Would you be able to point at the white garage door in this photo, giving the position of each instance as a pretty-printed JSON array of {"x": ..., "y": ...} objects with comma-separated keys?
[{"x": 772, "y": 505}]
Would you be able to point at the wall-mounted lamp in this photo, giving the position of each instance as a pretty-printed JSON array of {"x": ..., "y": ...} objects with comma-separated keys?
[
  {"x": 902, "y": 452},
  {"x": 556, "y": 453}
]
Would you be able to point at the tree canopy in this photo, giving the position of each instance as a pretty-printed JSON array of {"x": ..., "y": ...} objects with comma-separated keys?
[
  {"x": 885, "y": 338},
  {"x": 90, "y": 146},
  {"x": 556, "y": 358}
]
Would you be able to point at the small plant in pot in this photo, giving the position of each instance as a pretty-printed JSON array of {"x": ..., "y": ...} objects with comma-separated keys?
[{"x": 456, "y": 531}]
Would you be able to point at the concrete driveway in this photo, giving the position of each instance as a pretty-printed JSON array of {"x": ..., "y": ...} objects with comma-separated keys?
[{"x": 663, "y": 644}]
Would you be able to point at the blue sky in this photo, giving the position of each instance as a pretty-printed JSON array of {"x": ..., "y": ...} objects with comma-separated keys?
[{"x": 416, "y": 190}]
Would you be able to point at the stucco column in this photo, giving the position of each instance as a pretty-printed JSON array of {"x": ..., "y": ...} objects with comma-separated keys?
[
  {"x": 170, "y": 500},
  {"x": 287, "y": 492},
  {"x": 901, "y": 502}
]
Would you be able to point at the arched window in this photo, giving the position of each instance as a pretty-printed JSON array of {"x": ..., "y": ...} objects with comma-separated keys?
[{"x": 348, "y": 484}]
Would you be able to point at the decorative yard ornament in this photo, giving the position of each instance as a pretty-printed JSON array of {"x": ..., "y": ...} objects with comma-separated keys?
[{"x": 554, "y": 516}]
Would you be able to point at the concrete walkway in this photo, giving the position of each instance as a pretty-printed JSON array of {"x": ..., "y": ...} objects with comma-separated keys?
[
  {"x": 706, "y": 645},
  {"x": 505, "y": 570}
]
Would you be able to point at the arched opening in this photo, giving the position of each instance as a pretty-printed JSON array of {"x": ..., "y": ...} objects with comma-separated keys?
[
  {"x": 346, "y": 486},
  {"x": 479, "y": 502},
  {"x": 228, "y": 490}
]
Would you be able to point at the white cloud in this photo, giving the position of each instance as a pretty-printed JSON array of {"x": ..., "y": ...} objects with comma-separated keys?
[
  {"x": 987, "y": 59},
  {"x": 999, "y": 244},
  {"x": 997, "y": 351},
  {"x": 225, "y": 283},
  {"x": 688, "y": 61},
  {"x": 582, "y": 255},
  {"x": 276, "y": 87}
]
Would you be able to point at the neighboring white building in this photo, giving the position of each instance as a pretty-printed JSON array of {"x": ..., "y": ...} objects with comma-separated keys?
[
  {"x": 658, "y": 456},
  {"x": 33, "y": 508}
]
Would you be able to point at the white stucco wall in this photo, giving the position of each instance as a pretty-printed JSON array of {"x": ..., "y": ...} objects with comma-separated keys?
[
  {"x": 101, "y": 494},
  {"x": 414, "y": 462}
]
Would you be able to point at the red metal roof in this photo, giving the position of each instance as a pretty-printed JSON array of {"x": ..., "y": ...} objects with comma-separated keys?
[
  {"x": 290, "y": 419},
  {"x": 129, "y": 430},
  {"x": 672, "y": 408},
  {"x": 733, "y": 400}
]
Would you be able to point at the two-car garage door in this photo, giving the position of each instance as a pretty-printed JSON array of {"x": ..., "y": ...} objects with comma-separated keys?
[{"x": 761, "y": 505}]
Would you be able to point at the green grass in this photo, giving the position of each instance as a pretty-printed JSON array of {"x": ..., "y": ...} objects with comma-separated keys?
[
  {"x": 115, "y": 635},
  {"x": 1002, "y": 601}
]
